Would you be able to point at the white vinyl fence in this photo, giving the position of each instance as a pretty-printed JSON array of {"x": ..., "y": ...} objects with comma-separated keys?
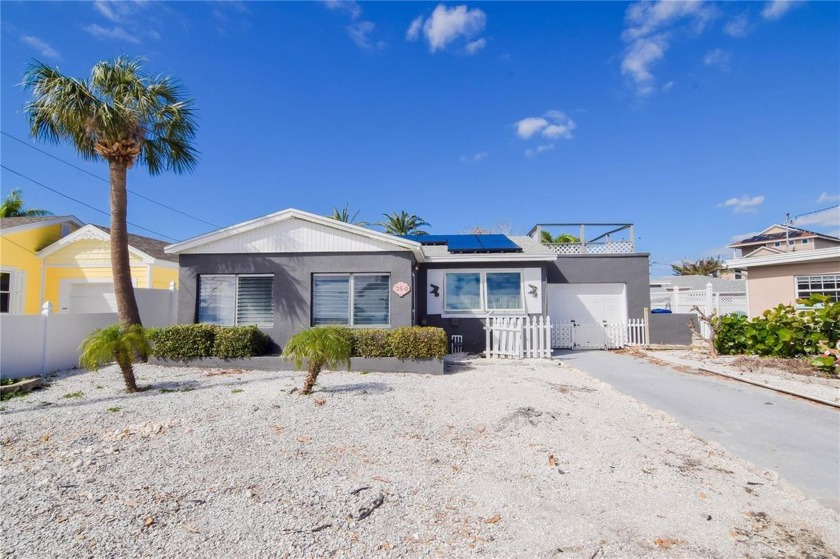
[
  {"x": 36, "y": 344},
  {"x": 683, "y": 301},
  {"x": 518, "y": 337},
  {"x": 607, "y": 334}
]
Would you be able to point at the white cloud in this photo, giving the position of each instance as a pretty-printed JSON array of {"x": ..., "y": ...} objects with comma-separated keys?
[
  {"x": 717, "y": 57},
  {"x": 826, "y": 197},
  {"x": 552, "y": 125},
  {"x": 738, "y": 26},
  {"x": 43, "y": 48},
  {"x": 119, "y": 11},
  {"x": 744, "y": 204},
  {"x": 115, "y": 32},
  {"x": 649, "y": 27},
  {"x": 348, "y": 6},
  {"x": 668, "y": 86},
  {"x": 448, "y": 26},
  {"x": 829, "y": 217},
  {"x": 531, "y": 152},
  {"x": 474, "y": 158},
  {"x": 360, "y": 32},
  {"x": 775, "y": 9}
]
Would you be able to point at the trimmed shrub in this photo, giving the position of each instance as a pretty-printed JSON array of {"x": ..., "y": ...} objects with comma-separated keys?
[
  {"x": 239, "y": 342},
  {"x": 372, "y": 342},
  {"x": 419, "y": 342},
  {"x": 183, "y": 342}
]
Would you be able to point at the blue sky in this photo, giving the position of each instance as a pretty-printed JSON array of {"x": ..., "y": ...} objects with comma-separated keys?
[{"x": 699, "y": 122}]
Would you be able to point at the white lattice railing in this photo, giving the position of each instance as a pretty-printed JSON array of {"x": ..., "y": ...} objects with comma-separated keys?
[
  {"x": 684, "y": 301},
  {"x": 518, "y": 337},
  {"x": 613, "y": 247}
]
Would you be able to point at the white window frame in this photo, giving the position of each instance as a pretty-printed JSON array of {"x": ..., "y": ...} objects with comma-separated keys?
[
  {"x": 17, "y": 288},
  {"x": 484, "y": 311},
  {"x": 350, "y": 297},
  {"x": 836, "y": 290},
  {"x": 236, "y": 297}
]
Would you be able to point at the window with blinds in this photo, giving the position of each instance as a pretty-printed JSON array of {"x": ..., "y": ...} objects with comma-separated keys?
[
  {"x": 351, "y": 299},
  {"x": 233, "y": 300}
]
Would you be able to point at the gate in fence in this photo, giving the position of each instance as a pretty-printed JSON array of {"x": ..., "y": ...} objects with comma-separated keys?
[
  {"x": 606, "y": 334},
  {"x": 518, "y": 337}
]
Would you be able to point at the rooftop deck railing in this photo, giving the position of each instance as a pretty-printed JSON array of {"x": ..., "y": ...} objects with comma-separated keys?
[{"x": 606, "y": 238}]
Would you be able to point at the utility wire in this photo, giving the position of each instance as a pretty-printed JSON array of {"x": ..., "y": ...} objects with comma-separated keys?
[
  {"x": 817, "y": 211},
  {"x": 51, "y": 189},
  {"x": 106, "y": 180},
  {"x": 20, "y": 246}
]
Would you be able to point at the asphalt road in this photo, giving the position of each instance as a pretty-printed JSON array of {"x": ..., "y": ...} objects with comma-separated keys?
[{"x": 798, "y": 439}]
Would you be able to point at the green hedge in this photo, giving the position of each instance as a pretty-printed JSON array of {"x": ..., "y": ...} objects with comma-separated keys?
[
  {"x": 371, "y": 342},
  {"x": 184, "y": 342},
  {"x": 407, "y": 342},
  {"x": 240, "y": 341}
]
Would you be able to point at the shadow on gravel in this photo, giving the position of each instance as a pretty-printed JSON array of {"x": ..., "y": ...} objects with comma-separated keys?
[{"x": 360, "y": 387}]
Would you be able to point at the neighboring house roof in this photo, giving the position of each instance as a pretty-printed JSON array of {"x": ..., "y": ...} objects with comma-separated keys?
[
  {"x": 816, "y": 255},
  {"x": 17, "y": 224},
  {"x": 788, "y": 232},
  {"x": 531, "y": 250},
  {"x": 255, "y": 241},
  {"x": 148, "y": 249},
  {"x": 698, "y": 283}
]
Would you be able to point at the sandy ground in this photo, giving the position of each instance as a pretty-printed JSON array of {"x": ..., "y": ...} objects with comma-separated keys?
[
  {"x": 497, "y": 459},
  {"x": 813, "y": 386}
]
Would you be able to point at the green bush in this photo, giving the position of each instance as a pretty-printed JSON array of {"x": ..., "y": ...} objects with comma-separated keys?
[
  {"x": 183, "y": 342},
  {"x": 371, "y": 342},
  {"x": 419, "y": 342},
  {"x": 783, "y": 331},
  {"x": 239, "y": 342}
]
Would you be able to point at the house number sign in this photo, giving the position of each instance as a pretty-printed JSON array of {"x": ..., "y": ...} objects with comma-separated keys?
[{"x": 402, "y": 289}]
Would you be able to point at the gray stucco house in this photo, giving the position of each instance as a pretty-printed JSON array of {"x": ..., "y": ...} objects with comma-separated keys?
[{"x": 291, "y": 270}]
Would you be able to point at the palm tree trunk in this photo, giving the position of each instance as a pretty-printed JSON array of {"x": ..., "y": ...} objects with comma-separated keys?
[
  {"x": 311, "y": 377},
  {"x": 124, "y": 361},
  {"x": 120, "y": 263}
]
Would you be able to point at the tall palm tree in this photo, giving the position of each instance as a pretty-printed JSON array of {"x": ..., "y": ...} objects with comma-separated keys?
[
  {"x": 710, "y": 266},
  {"x": 12, "y": 206},
  {"x": 124, "y": 116},
  {"x": 403, "y": 224},
  {"x": 344, "y": 215}
]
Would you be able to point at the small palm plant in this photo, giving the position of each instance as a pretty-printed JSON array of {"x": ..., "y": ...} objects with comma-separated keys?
[
  {"x": 322, "y": 346},
  {"x": 403, "y": 224},
  {"x": 115, "y": 344}
]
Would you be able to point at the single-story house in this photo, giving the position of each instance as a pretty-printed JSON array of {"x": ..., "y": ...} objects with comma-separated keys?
[
  {"x": 60, "y": 260},
  {"x": 291, "y": 270}
]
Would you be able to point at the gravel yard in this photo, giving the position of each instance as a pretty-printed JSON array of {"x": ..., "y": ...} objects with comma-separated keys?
[
  {"x": 757, "y": 369},
  {"x": 498, "y": 459}
]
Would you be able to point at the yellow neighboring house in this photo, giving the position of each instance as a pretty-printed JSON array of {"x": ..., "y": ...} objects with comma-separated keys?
[{"x": 63, "y": 261}]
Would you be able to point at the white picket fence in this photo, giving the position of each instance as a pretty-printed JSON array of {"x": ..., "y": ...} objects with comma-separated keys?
[
  {"x": 518, "y": 337},
  {"x": 684, "y": 301},
  {"x": 607, "y": 334},
  {"x": 36, "y": 344}
]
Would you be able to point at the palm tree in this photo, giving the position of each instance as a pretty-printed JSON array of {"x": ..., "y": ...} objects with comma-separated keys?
[
  {"x": 124, "y": 116},
  {"x": 12, "y": 206},
  {"x": 403, "y": 224},
  {"x": 320, "y": 346},
  {"x": 115, "y": 344},
  {"x": 710, "y": 266},
  {"x": 547, "y": 239},
  {"x": 344, "y": 215}
]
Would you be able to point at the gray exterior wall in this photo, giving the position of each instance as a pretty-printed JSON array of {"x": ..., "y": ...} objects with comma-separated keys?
[
  {"x": 630, "y": 269},
  {"x": 671, "y": 329},
  {"x": 293, "y": 282},
  {"x": 471, "y": 328}
]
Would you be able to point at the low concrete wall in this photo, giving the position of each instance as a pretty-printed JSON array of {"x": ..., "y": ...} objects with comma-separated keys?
[
  {"x": 275, "y": 363},
  {"x": 671, "y": 329}
]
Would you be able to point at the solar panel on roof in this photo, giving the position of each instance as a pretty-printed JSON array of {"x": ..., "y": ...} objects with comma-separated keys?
[
  {"x": 464, "y": 243},
  {"x": 498, "y": 243}
]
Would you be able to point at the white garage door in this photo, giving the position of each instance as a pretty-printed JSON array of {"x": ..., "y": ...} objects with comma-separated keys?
[
  {"x": 599, "y": 312},
  {"x": 92, "y": 297}
]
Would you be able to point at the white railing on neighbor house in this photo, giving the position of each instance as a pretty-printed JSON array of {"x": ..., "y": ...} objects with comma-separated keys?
[
  {"x": 615, "y": 247},
  {"x": 518, "y": 337},
  {"x": 606, "y": 334},
  {"x": 36, "y": 344},
  {"x": 684, "y": 301},
  {"x": 593, "y": 238}
]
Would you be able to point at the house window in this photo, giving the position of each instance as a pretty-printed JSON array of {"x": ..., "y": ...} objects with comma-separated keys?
[
  {"x": 5, "y": 292},
  {"x": 236, "y": 300},
  {"x": 483, "y": 291},
  {"x": 351, "y": 299},
  {"x": 777, "y": 244},
  {"x": 821, "y": 285},
  {"x": 805, "y": 241}
]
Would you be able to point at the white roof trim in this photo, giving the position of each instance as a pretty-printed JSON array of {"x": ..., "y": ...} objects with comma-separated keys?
[
  {"x": 45, "y": 223},
  {"x": 91, "y": 232},
  {"x": 498, "y": 257},
  {"x": 285, "y": 215},
  {"x": 786, "y": 258}
]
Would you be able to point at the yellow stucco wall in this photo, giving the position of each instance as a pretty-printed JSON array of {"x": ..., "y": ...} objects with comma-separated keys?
[
  {"x": 162, "y": 277},
  {"x": 768, "y": 286},
  {"x": 55, "y": 276},
  {"x": 17, "y": 252}
]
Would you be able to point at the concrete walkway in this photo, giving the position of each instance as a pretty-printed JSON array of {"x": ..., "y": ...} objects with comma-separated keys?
[{"x": 798, "y": 439}]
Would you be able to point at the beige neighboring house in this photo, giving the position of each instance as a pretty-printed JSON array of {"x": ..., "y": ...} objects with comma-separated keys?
[{"x": 787, "y": 263}]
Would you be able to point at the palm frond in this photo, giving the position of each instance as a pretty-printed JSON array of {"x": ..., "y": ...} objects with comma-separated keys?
[
  {"x": 325, "y": 345},
  {"x": 111, "y": 344}
]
